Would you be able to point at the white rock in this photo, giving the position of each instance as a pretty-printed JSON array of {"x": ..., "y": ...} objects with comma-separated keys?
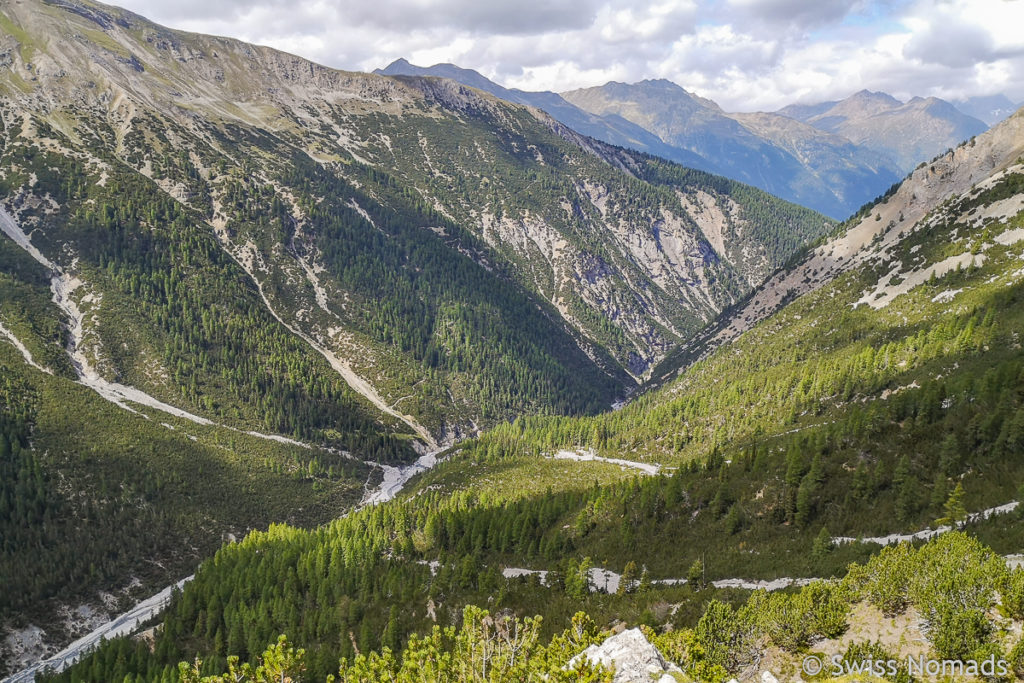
[
  {"x": 632, "y": 657},
  {"x": 768, "y": 677}
]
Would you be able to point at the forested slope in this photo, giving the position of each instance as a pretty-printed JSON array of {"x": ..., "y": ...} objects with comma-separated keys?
[
  {"x": 955, "y": 605},
  {"x": 884, "y": 398}
]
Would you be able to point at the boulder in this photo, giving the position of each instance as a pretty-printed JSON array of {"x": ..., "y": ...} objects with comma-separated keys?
[{"x": 633, "y": 658}]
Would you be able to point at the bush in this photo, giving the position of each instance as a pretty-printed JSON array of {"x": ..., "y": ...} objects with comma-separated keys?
[
  {"x": 830, "y": 608},
  {"x": 793, "y": 621},
  {"x": 861, "y": 653},
  {"x": 992, "y": 652},
  {"x": 955, "y": 577},
  {"x": 682, "y": 647},
  {"x": 786, "y": 620},
  {"x": 728, "y": 637},
  {"x": 1011, "y": 590},
  {"x": 887, "y": 577},
  {"x": 1016, "y": 659},
  {"x": 957, "y": 634}
]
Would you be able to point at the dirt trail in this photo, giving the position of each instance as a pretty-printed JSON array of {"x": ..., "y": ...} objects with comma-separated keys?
[
  {"x": 926, "y": 534},
  {"x": 589, "y": 456},
  {"x": 608, "y": 581}
]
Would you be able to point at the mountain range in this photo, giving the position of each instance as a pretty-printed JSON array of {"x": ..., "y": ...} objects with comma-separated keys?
[
  {"x": 989, "y": 108},
  {"x": 908, "y": 132},
  {"x": 347, "y": 357},
  {"x": 833, "y": 163},
  {"x": 612, "y": 129}
]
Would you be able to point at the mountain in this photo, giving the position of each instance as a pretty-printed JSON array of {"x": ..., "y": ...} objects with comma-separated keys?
[
  {"x": 873, "y": 231},
  {"x": 420, "y": 196},
  {"x": 240, "y": 288},
  {"x": 989, "y": 108},
  {"x": 909, "y": 133},
  {"x": 859, "y": 105},
  {"x": 614, "y": 130},
  {"x": 240, "y": 292},
  {"x": 868, "y": 394},
  {"x": 777, "y": 154},
  {"x": 803, "y": 112},
  {"x": 847, "y": 170}
]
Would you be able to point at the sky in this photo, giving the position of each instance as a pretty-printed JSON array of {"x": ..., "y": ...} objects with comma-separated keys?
[{"x": 747, "y": 55}]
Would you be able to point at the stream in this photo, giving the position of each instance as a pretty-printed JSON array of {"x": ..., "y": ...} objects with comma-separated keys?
[{"x": 119, "y": 626}]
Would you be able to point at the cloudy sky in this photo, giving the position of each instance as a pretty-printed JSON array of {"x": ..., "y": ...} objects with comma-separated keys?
[{"x": 745, "y": 54}]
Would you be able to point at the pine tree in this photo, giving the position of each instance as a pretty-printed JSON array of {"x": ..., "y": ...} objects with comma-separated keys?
[
  {"x": 695, "y": 577},
  {"x": 645, "y": 582},
  {"x": 629, "y": 577},
  {"x": 822, "y": 543},
  {"x": 954, "y": 509}
]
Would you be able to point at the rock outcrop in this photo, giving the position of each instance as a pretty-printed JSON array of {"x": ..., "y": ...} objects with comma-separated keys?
[{"x": 632, "y": 657}]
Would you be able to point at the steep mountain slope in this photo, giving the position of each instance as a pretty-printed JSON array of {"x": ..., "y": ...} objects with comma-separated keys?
[
  {"x": 908, "y": 133},
  {"x": 103, "y": 503},
  {"x": 777, "y": 154},
  {"x": 266, "y": 134},
  {"x": 910, "y": 307},
  {"x": 886, "y": 224},
  {"x": 884, "y": 394},
  {"x": 614, "y": 130}
]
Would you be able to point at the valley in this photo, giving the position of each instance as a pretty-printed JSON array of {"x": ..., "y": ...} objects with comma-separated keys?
[{"x": 406, "y": 366}]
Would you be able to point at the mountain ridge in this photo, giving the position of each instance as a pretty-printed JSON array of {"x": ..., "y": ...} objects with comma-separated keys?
[
  {"x": 828, "y": 173},
  {"x": 909, "y": 132},
  {"x": 841, "y": 181},
  {"x": 612, "y": 130}
]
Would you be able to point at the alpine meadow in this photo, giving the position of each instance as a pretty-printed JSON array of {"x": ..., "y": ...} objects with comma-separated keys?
[{"x": 320, "y": 375}]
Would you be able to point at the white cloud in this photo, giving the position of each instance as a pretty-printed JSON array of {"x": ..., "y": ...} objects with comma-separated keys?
[
  {"x": 793, "y": 13},
  {"x": 745, "y": 54}
]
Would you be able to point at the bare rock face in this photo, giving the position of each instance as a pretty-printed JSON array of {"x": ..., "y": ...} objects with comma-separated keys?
[{"x": 633, "y": 658}]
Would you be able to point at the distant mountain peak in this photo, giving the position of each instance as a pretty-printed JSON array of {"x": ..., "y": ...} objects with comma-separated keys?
[
  {"x": 612, "y": 129},
  {"x": 874, "y": 95},
  {"x": 662, "y": 82},
  {"x": 989, "y": 108},
  {"x": 908, "y": 132}
]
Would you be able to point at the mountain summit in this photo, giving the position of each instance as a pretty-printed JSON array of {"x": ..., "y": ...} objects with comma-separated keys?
[
  {"x": 909, "y": 133},
  {"x": 614, "y": 130}
]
